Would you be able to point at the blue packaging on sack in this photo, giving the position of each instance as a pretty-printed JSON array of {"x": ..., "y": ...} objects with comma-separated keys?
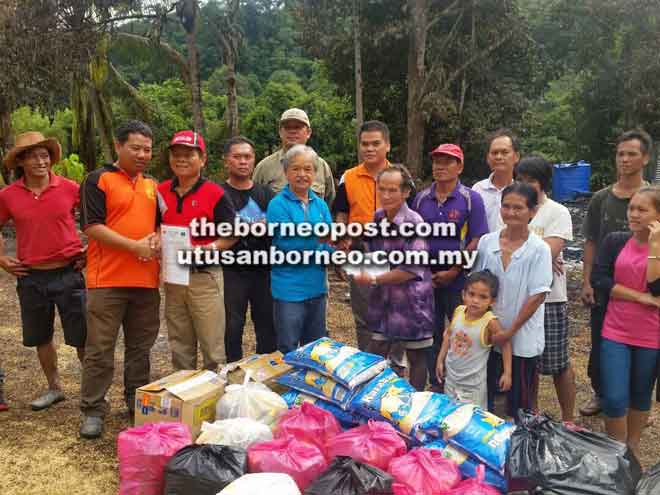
[
  {"x": 485, "y": 436},
  {"x": 346, "y": 419},
  {"x": 317, "y": 385},
  {"x": 418, "y": 415},
  {"x": 344, "y": 364},
  {"x": 467, "y": 465}
]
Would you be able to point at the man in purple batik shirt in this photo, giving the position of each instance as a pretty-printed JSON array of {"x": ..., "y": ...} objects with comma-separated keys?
[
  {"x": 447, "y": 201},
  {"x": 401, "y": 302}
]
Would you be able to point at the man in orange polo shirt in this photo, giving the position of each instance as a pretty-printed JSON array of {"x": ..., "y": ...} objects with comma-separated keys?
[
  {"x": 119, "y": 214},
  {"x": 41, "y": 205},
  {"x": 357, "y": 202}
]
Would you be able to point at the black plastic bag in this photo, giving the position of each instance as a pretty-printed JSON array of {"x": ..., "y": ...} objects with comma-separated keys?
[
  {"x": 204, "y": 469},
  {"x": 562, "y": 461},
  {"x": 650, "y": 482},
  {"x": 346, "y": 476}
]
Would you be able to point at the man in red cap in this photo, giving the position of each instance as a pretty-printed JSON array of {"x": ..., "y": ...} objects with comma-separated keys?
[
  {"x": 195, "y": 313},
  {"x": 446, "y": 200}
]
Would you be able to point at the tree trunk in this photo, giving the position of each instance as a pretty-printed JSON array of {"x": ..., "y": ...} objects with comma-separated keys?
[
  {"x": 83, "y": 132},
  {"x": 230, "y": 38},
  {"x": 99, "y": 71},
  {"x": 418, "y": 18},
  {"x": 190, "y": 23},
  {"x": 195, "y": 84},
  {"x": 464, "y": 81},
  {"x": 232, "y": 98},
  {"x": 103, "y": 122},
  {"x": 5, "y": 136},
  {"x": 359, "y": 105}
]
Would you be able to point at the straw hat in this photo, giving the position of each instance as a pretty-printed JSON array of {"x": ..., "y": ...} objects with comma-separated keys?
[{"x": 29, "y": 140}]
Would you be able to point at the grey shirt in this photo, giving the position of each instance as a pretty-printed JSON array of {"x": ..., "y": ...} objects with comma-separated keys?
[{"x": 270, "y": 172}]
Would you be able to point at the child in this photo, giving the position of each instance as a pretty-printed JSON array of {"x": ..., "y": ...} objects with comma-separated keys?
[{"x": 466, "y": 344}]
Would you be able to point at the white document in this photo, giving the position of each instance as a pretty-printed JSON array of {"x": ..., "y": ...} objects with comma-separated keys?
[
  {"x": 367, "y": 267},
  {"x": 173, "y": 240}
]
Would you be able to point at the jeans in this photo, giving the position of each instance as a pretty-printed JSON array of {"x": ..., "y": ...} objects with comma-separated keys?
[
  {"x": 627, "y": 380},
  {"x": 446, "y": 302},
  {"x": 298, "y": 323}
]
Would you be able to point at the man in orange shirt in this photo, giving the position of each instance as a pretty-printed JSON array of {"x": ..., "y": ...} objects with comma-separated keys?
[
  {"x": 119, "y": 214},
  {"x": 357, "y": 202}
]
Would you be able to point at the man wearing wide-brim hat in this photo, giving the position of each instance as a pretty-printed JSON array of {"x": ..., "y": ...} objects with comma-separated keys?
[{"x": 48, "y": 253}]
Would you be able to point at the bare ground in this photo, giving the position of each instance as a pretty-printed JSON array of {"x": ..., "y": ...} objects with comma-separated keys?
[{"x": 40, "y": 452}]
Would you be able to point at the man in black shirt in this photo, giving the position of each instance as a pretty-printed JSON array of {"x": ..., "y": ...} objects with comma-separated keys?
[{"x": 247, "y": 283}]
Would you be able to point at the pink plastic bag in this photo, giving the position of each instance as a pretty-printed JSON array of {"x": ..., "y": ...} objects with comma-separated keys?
[
  {"x": 375, "y": 443},
  {"x": 304, "y": 462},
  {"x": 143, "y": 453},
  {"x": 477, "y": 486},
  {"x": 426, "y": 472},
  {"x": 401, "y": 489},
  {"x": 309, "y": 424}
]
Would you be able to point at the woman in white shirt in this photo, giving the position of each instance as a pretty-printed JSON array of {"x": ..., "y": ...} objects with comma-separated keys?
[
  {"x": 523, "y": 264},
  {"x": 552, "y": 223}
]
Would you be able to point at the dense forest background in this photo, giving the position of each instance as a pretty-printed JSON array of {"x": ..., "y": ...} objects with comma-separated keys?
[{"x": 567, "y": 75}]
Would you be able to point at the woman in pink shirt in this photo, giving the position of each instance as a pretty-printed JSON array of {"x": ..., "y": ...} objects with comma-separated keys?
[{"x": 631, "y": 332}]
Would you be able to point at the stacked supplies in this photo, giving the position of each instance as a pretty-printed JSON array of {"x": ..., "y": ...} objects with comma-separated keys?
[
  {"x": 329, "y": 374},
  {"x": 356, "y": 386}
]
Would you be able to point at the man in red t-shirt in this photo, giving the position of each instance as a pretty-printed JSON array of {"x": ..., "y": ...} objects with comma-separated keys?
[{"x": 48, "y": 254}]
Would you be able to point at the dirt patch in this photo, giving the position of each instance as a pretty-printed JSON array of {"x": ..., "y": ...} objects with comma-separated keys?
[{"x": 40, "y": 452}]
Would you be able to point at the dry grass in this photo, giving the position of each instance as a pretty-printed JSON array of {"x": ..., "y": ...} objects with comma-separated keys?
[{"x": 40, "y": 452}]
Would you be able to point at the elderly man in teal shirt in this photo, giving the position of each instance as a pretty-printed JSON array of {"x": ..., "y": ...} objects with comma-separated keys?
[{"x": 299, "y": 290}]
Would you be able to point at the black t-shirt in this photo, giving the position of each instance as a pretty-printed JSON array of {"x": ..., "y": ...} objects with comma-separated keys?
[{"x": 250, "y": 205}]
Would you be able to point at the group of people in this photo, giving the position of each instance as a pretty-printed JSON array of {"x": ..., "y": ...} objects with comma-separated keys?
[{"x": 474, "y": 334}]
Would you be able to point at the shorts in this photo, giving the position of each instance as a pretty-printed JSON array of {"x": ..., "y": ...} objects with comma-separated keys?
[
  {"x": 39, "y": 292},
  {"x": 555, "y": 357},
  {"x": 477, "y": 395},
  {"x": 523, "y": 374},
  {"x": 411, "y": 345}
]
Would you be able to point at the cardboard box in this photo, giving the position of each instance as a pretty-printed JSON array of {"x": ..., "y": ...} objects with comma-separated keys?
[
  {"x": 263, "y": 368},
  {"x": 187, "y": 397}
]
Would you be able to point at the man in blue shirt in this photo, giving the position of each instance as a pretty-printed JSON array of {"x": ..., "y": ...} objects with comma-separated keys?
[
  {"x": 299, "y": 290},
  {"x": 446, "y": 200}
]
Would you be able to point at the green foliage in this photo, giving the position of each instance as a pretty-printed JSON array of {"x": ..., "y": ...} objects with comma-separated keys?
[
  {"x": 550, "y": 124},
  {"x": 71, "y": 168},
  {"x": 572, "y": 76},
  {"x": 58, "y": 125}
]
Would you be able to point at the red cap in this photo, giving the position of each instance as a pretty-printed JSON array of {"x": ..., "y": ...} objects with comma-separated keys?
[
  {"x": 189, "y": 138},
  {"x": 448, "y": 149}
]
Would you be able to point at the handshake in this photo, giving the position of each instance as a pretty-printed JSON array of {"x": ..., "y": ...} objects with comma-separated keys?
[{"x": 147, "y": 248}]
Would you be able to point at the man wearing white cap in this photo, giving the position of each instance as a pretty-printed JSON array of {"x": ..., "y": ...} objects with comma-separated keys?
[{"x": 295, "y": 128}]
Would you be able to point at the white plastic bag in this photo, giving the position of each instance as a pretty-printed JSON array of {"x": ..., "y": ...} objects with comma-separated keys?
[
  {"x": 262, "y": 484},
  {"x": 251, "y": 400},
  {"x": 235, "y": 432}
]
